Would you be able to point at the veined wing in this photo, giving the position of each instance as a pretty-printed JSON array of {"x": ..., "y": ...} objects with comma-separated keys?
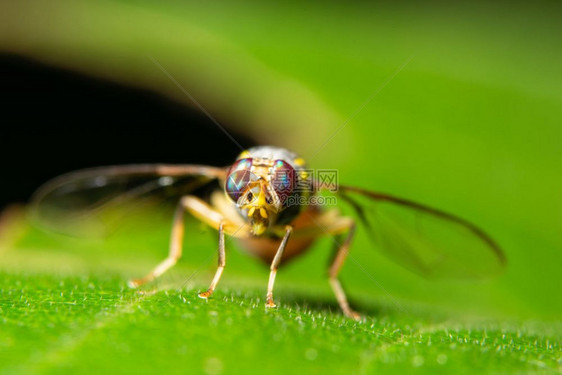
[
  {"x": 88, "y": 202},
  {"x": 427, "y": 241}
]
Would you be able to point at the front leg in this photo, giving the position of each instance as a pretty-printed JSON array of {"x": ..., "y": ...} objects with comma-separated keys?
[
  {"x": 202, "y": 211},
  {"x": 274, "y": 264}
]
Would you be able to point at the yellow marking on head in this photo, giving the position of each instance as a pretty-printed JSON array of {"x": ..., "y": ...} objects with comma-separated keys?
[
  {"x": 261, "y": 202},
  {"x": 263, "y": 213},
  {"x": 244, "y": 154},
  {"x": 300, "y": 162},
  {"x": 251, "y": 211}
]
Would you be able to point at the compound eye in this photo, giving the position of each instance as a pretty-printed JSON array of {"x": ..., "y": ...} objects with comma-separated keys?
[
  {"x": 238, "y": 178},
  {"x": 283, "y": 179}
]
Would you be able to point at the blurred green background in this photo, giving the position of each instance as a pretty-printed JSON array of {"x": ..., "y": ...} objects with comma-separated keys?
[{"x": 465, "y": 116}]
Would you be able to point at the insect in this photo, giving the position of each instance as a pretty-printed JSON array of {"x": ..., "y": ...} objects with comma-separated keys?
[{"x": 265, "y": 201}]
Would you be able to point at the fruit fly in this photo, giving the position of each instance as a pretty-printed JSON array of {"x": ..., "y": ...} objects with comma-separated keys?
[{"x": 265, "y": 201}]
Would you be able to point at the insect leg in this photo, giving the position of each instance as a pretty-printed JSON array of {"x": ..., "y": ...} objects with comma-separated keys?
[
  {"x": 220, "y": 268},
  {"x": 331, "y": 223},
  {"x": 201, "y": 211},
  {"x": 274, "y": 264},
  {"x": 337, "y": 263}
]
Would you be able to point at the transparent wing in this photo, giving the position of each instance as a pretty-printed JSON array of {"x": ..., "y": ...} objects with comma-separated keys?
[
  {"x": 424, "y": 240},
  {"x": 89, "y": 202}
]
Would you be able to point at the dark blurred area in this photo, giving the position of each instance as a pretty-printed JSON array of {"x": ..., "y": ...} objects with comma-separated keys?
[{"x": 57, "y": 121}]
